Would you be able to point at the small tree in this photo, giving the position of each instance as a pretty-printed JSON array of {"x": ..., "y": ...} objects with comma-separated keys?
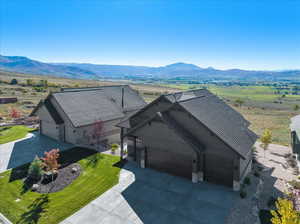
[
  {"x": 14, "y": 82},
  {"x": 239, "y": 102},
  {"x": 266, "y": 139},
  {"x": 285, "y": 213},
  {"x": 14, "y": 113},
  {"x": 35, "y": 170},
  {"x": 296, "y": 107},
  {"x": 50, "y": 161}
]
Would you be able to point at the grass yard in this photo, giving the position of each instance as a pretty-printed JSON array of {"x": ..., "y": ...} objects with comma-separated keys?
[
  {"x": 99, "y": 173},
  {"x": 8, "y": 134}
]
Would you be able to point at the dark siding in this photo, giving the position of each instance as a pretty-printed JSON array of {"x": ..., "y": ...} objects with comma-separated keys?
[
  {"x": 166, "y": 151},
  {"x": 170, "y": 162},
  {"x": 218, "y": 162},
  {"x": 218, "y": 170}
]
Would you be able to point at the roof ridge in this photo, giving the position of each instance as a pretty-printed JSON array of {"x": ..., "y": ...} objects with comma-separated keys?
[
  {"x": 185, "y": 91},
  {"x": 90, "y": 88}
]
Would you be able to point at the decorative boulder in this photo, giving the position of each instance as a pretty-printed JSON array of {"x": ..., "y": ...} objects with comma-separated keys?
[
  {"x": 74, "y": 170},
  {"x": 35, "y": 187}
]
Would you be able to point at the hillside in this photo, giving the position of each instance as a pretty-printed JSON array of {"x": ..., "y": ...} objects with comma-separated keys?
[{"x": 180, "y": 71}]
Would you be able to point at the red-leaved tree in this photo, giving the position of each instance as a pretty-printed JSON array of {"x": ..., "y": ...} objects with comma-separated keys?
[
  {"x": 50, "y": 160},
  {"x": 14, "y": 113}
]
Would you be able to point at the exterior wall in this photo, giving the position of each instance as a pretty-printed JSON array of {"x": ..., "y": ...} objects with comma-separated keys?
[
  {"x": 149, "y": 112},
  {"x": 295, "y": 142},
  {"x": 246, "y": 165},
  {"x": 48, "y": 125},
  {"x": 165, "y": 150},
  {"x": 157, "y": 136},
  {"x": 223, "y": 157},
  {"x": 79, "y": 135}
]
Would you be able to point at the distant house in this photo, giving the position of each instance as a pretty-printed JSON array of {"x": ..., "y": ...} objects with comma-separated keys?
[
  {"x": 4, "y": 100},
  {"x": 295, "y": 136},
  {"x": 70, "y": 115},
  {"x": 192, "y": 134}
]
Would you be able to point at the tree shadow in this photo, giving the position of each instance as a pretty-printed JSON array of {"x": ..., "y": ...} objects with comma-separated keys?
[{"x": 36, "y": 209}]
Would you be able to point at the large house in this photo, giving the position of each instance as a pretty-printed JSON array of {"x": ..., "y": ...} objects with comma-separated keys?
[
  {"x": 295, "y": 137},
  {"x": 192, "y": 134},
  {"x": 76, "y": 115}
]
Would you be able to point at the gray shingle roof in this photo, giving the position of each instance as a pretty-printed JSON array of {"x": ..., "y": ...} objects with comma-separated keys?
[
  {"x": 222, "y": 120},
  {"x": 84, "y": 106}
]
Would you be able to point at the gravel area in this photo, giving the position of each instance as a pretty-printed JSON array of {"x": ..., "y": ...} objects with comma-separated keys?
[
  {"x": 64, "y": 178},
  {"x": 274, "y": 174}
]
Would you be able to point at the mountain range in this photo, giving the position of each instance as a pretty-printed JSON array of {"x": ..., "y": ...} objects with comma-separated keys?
[{"x": 173, "y": 71}]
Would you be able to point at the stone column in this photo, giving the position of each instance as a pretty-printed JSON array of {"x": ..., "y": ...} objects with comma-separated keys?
[
  {"x": 142, "y": 159},
  {"x": 195, "y": 171},
  {"x": 201, "y": 167}
]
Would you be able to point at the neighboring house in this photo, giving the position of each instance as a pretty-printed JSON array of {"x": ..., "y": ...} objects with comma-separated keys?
[
  {"x": 4, "y": 100},
  {"x": 72, "y": 114},
  {"x": 192, "y": 134},
  {"x": 295, "y": 136}
]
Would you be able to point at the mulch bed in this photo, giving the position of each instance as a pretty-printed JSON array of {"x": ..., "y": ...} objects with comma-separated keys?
[{"x": 64, "y": 178}]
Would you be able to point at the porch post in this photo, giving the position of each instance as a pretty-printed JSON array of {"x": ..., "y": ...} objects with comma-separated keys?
[{"x": 134, "y": 146}]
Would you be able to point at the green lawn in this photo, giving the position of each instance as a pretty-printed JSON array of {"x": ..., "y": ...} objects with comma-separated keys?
[
  {"x": 8, "y": 134},
  {"x": 99, "y": 174}
]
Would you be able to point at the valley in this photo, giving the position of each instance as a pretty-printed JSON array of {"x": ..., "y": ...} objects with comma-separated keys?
[{"x": 265, "y": 105}]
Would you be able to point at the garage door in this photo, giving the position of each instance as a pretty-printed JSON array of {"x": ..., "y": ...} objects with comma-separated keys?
[
  {"x": 49, "y": 129},
  {"x": 169, "y": 162},
  {"x": 218, "y": 170}
]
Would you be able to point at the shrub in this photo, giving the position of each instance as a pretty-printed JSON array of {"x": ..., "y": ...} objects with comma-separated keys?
[
  {"x": 247, "y": 181},
  {"x": 35, "y": 170},
  {"x": 14, "y": 82},
  {"x": 256, "y": 173},
  {"x": 114, "y": 147},
  {"x": 243, "y": 194},
  {"x": 295, "y": 184},
  {"x": 285, "y": 213}
]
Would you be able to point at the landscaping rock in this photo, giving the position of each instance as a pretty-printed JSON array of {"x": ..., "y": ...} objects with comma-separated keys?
[
  {"x": 74, "y": 170},
  {"x": 35, "y": 187}
]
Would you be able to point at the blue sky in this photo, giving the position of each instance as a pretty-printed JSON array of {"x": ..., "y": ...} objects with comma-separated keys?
[{"x": 247, "y": 34}]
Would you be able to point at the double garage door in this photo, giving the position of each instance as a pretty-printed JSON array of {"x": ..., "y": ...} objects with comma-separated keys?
[
  {"x": 169, "y": 162},
  {"x": 216, "y": 170}
]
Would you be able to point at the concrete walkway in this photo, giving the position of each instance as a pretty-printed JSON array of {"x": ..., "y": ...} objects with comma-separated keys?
[
  {"x": 147, "y": 196},
  {"x": 24, "y": 150}
]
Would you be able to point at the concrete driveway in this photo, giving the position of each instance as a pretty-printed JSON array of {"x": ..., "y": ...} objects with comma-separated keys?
[
  {"x": 147, "y": 196},
  {"x": 24, "y": 150}
]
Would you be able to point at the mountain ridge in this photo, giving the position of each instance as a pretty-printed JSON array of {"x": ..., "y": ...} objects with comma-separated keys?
[{"x": 104, "y": 71}]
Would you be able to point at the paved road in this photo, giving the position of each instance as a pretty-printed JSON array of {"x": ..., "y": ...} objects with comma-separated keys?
[
  {"x": 24, "y": 150},
  {"x": 147, "y": 196}
]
